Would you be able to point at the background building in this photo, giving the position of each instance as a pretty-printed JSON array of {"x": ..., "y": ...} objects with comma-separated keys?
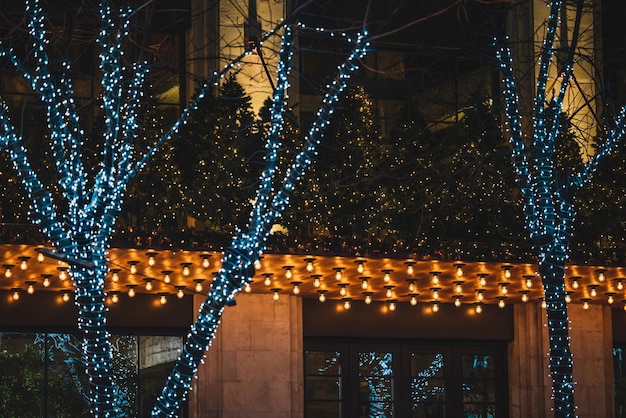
[{"x": 281, "y": 351}]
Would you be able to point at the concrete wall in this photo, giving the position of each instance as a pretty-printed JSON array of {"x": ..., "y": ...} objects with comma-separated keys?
[
  {"x": 255, "y": 366},
  {"x": 530, "y": 385}
]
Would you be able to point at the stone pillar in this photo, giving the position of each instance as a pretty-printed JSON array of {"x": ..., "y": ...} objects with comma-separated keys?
[
  {"x": 530, "y": 385},
  {"x": 529, "y": 381},
  {"x": 255, "y": 366},
  {"x": 591, "y": 337}
]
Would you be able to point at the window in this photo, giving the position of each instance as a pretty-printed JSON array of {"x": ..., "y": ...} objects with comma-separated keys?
[
  {"x": 41, "y": 374},
  {"x": 399, "y": 379}
]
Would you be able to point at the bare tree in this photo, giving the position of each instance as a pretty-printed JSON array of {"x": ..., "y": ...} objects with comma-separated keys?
[
  {"x": 80, "y": 219},
  {"x": 548, "y": 190}
]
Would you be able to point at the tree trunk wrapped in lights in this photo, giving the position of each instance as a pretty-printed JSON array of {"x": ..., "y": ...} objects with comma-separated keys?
[
  {"x": 79, "y": 220},
  {"x": 548, "y": 193}
]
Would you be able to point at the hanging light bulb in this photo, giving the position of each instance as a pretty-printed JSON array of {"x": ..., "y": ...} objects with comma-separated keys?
[
  {"x": 296, "y": 287},
  {"x": 387, "y": 275},
  {"x": 148, "y": 281},
  {"x": 528, "y": 281},
  {"x": 610, "y": 298},
  {"x": 257, "y": 263},
  {"x": 524, "y": 296},
  {"x": 276, "y": 292},
  {"x": 592, "y": 290},
  {"x": 435, "y": 278},
  {"x": 412, "y": 286},
  {"x": 131, "y": 290},
  {"x": 360, "y": 268},
  {"x": 66, "y": 295},
  {"x": 7, "y": 270},
  {"x": 163, "y": 298},
  {"x": 167, "y": 278},
  {"x": 435, "y": 306},
  {"x": 322, "y": 295},
  {"x": 347, "y": 303},
  {"x": 24, "y": 263},
  {"x": 30, "y": 289},
  {"x": 389, "y": 291},
  {"x": 368, "y": 297},
  {"x": 15, "y": 293},
  {"x": 247, "y": 288},
  {"x": 180, "y": 292},
  {"x": 479, "y": 308},
  {"x": 501, "y": 303},
  {"x": 343, "y": 289},
  {"x": 364, "y": 282},
  {"x": 600, "y": 273},
  {"x": 392, "y": 305},
  {"x": 115, "y": 297},
  {"x": 459, "y": 269},
  {"x": 479, "y": 295},
  {"x": 268, "y": 279},
  {"x": 413, "y": 299},
  {"x": 504, "y": 288},
  {"x": 288, "y": 272},
  {"x": 585, "y": 303},
  {"x": 543, "y": 303},
  {"x": 115, "y": 277},
  {"x": 507, "y": 271},
  {"x": 435, "y": 292},
  {"x": 457, "y": 300},
  {"x": 133, "y": 266},
  {"x": 338, "y": 273},
  {"x": 309, "y": 263},
  {"x": 316, "y": 280},
  {"x": 62, "y": 273},
  {"x": 186, "y": 269},
  {"x": 458, "y": 287},
  {"x": 409, "y": 267},
  {"x": 619, "y": 284},
  {"x": 40, "y": 256},
  {"x": 568, "y": 297},
  {"x": 151, "y": 255},
  {"x": 46, "y": 280},
  {"x": 482, "y": 280},
  {"x": 575, "y": 280},
  {"x": 206, "y": 262},
  {"x": 198, "y": 287}
]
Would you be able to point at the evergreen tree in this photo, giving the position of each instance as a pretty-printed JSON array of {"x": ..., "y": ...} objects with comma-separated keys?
[{"x": 215, "y": 152}]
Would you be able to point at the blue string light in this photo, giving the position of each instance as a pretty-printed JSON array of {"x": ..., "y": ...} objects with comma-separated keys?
[
  {"x": 548, "y": 203},
  {"x": 82, "y": 231},
  {"x": 237, "y": 264}
]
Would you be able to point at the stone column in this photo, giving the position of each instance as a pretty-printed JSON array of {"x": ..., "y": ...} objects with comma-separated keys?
[
  {"x": 255, "y": 366},
  {"x": 530, "y": 385}
]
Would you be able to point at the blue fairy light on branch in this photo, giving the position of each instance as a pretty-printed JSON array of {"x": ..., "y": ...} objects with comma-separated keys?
[
  {"x": 237, "y": 266},
  {"x": 80, "y": 224},
  {"x": 549, "y": 199}
]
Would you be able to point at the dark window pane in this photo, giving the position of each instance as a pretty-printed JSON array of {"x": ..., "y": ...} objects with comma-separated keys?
[
  {"x": 320, "y": 409},
  {"x": 426, "y": 410},
  {"x": 323, "y": 363},
  {"x": 427, "y": 384},
  {"x": 478, "y": 366},
  {"x": 375, "y": 384},
  {"x": 323, "y": 388},
  {"x": 479, "y": 411}
]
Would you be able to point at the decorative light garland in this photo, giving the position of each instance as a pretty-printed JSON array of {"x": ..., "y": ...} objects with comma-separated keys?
[{"x": 548, "y": 203}]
